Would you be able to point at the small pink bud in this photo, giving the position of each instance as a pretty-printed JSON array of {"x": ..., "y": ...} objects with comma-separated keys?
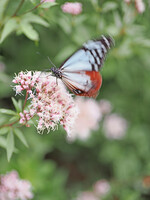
[
  {"x": 25, "y": 112},
  {"x": 27, "y": 125},
  {"x": 21, "y": 114},
  {"x": 15, "y": 81}
]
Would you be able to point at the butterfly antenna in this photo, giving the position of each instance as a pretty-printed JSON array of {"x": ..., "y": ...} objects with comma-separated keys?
[{"x": 51, "y": 61}]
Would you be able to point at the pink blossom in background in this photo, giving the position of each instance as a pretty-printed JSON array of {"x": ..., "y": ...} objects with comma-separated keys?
[
  {"x": 72, "y": 8},
  {"x": 140, "y": 6},
  {"x": 51, "y": 102},
  {"x": 114, "y": 126},
  {"x": 105, "y": 106},
  {"x": 101, "y": 187},
  {"x": 13, "y": 188},
  {"x": 87, "y": 120},
  {"x": 87, "y": 196}
]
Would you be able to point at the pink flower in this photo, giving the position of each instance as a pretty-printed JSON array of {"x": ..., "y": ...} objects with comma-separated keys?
[
  {"x": 105, "y": 106},
  {"x": 101, "y": 187},
  {"x": 114, "y": 126},
  {"x": 51, "y": 102},
  {"x": 72, "y": 8},
  {"x": 87, "y": 196},
  {"x": 13, "y": 188},
  {"x": 140, "y": 6},
  {"x": 87, "y": 120}
]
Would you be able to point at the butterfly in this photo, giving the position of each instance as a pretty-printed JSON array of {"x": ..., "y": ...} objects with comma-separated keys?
[{"x": 80, "y": 72}]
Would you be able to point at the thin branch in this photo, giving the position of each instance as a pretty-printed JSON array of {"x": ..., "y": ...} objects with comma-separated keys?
[
  {"x": 11, "y": 124},
  {"x": 33, "y": 8},
  {"x": 18, "y": 8}
]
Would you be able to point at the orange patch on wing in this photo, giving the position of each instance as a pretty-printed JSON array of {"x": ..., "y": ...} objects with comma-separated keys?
[{"x": 96, "y": 81}]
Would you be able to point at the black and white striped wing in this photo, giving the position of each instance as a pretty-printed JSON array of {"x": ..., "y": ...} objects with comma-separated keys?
[
  {"x": 90, "y": 57},
  {"x": 80, "y": 72}
]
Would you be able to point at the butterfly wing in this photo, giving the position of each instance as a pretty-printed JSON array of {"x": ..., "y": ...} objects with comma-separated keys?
[
  {"x": 80, "y": 72},
  {"x": 83, "y": 83}
]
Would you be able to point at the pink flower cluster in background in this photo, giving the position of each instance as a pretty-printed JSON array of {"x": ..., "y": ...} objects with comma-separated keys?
[
  {"x": 115, "y": 126},
  {"x": 100, "y": 189},
  {"x": 14, "y": 188},
  {"x": 51, "y": 102},
  {"x": 72, "y": 8},
  {"x": 87, "y": 120},
  {"x": 139, "y": 5},
  {"x": 92, "y": 114}
]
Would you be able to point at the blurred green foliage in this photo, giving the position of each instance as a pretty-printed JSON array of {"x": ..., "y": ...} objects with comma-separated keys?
[{"x": 57, "y": 169}]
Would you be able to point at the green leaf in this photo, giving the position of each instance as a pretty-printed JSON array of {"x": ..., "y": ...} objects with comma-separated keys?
[
  {"x": 33, "y": 1},
  {"x": 10, "y": 144},
  {"x": 28, "y": 30},
  {"x": 16, "y": 105},
  {"x": 48, "y": 4},
  {"x": 3, "y": 142},
  {"x": 7, "y": 111},
  {"x": 4, "y": 130},
  {"x": 14, "y": 118},
  {"x": 32, "y": 18},
  {"x": 21, "y": 137},
  {"x": 10, "y": 26},
  {"x": 108, "y": 6},
  {"x": 3, "y": 5}
]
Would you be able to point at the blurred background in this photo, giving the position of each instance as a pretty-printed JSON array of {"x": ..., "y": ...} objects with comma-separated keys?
[{"x": 111, "y": 158}]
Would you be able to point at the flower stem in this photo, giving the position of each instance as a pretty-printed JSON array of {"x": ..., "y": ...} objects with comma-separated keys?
[
  {"x": 11, "y": 124},
  {"x": 18, "y": 8}
]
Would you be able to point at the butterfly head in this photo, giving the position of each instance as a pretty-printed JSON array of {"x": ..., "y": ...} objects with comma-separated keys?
[{"x": 56, "y": 72}]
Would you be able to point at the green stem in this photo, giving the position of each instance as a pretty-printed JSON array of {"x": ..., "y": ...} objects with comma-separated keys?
[{"x": 18, "y": 8}]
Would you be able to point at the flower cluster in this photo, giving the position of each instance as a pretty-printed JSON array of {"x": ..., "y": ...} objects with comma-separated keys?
[
  {"x": 100, "y": 189},
  {"x": 139, "y": 5},
  {"x": 92, "y": 114},
  {"x": 25, "y": 81},
  {"x": 87, "y": 120},
  {"x": 114, "y": 126},
  {"x": 51, "y": 102},
  {"x": 13, "y": 188},
  {"x": 72, "y": 8}
]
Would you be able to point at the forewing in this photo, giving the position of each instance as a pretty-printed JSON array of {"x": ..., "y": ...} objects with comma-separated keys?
[{"x": 90, "y": 57}]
